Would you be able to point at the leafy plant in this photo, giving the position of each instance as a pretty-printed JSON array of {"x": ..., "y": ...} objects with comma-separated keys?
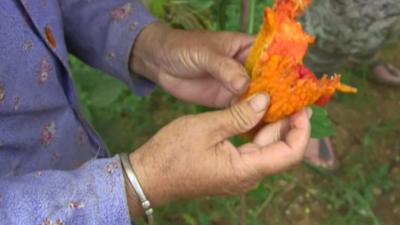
[
  {"x": 321, "y": 124},
  {"x": 184, "y": 14}
]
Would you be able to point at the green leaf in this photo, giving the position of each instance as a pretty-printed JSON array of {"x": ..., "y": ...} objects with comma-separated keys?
[
  {"x": 157, "y": 8},
  {"x": 238, "y": 141},
  {"x": 189, "y": 220},
  {"x": 321, "y": 124},
  {"x": 202, "y": 5},
  {"x": 105, "y": 93}
]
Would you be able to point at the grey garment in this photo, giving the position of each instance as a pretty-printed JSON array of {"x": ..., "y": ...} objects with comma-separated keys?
[
  {"x": 345, "y": 28},
  {"x": 322, "y": 62}
]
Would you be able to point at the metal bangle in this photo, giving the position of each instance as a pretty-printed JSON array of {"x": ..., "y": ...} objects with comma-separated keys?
[{"x": 126, "y": 164}]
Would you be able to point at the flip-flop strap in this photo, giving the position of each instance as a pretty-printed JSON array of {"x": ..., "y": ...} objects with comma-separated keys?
[
  {"x": 324, "y": 152},
  {"x": 391, "y": 70},
  {"x": 392, "y": 73}
]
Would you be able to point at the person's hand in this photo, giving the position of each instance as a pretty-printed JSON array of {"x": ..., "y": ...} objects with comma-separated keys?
[
  {"x": 192, "y": 156},
  {"x": 199, "y": 67}
]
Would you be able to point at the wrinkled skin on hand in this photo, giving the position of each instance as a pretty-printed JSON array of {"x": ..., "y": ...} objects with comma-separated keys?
[
  {"x": 199, "y": 67},
  {"x": 276, "y": 64},
  {"x": 192, "y": 156}
]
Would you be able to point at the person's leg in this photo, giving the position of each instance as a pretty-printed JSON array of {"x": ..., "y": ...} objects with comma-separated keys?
[
  {"x": 381, "y": 72},
  {"x": 321, "y": 153},
  {"x": 384, "y": 72},
  {"x": 347, "y": 32}
]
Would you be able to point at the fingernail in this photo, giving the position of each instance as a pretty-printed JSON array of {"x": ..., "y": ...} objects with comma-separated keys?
[
  {"x": 239, "y": 85},
  {"x": 309, "y": 113},
  {"x": 259, "y": 102}
]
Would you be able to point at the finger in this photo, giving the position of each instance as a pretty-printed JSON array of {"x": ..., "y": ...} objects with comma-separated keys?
[
  {"x": 282, "y": 155},
  {"x": 242, "y": 55},
  {"x": 237, "y": 119},
  {"x": 241, "y": 46},
  {"x": 272, "y": 133},
  {"x": 205, "y": 91},
  {"x": 299, "y": 135},
  {"x": 248, "y": 148},
  {"x": 228, "y": 71},
  {"x": 244, "y": 49}
]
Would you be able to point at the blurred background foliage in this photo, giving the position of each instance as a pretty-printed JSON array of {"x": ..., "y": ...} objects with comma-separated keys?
[{"x": 364, "y": 191}]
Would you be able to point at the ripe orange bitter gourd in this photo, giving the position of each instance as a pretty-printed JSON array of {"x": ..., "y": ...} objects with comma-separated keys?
[{"x": 275, "y": 64}]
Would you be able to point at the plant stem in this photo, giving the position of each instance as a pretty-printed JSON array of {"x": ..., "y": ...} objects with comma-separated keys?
[
  {"x": 244, "y": 15},
  {"x": 222, "y": 18},
  {"x": 250, "y": 29},
  {"x": 265, "y": 203},
  {"x": 243, "y": 209}
]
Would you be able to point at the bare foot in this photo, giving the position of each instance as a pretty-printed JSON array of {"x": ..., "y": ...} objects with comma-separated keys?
[
  {"x": 386, "y": 74},
  {"x": 320, "y": 153}
]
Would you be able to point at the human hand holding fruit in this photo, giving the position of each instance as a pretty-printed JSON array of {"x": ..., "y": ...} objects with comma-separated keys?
[
  {"x": 199, "y": 67},
  {"x": 192, "y": 156}
]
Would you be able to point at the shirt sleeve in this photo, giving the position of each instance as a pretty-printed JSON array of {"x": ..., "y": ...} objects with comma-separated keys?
[
  {"x": 102, "y": 34},
  {"x": 91, "y": 195}
]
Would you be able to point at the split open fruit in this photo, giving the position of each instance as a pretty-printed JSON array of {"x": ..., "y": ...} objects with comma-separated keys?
[{"x": 276, "y": 67}]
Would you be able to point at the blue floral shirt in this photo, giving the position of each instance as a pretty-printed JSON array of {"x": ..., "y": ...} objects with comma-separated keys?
[{"x": 53, "y": 166}]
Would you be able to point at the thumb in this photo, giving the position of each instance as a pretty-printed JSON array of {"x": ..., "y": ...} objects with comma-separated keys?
[{"x": 240, "y": 118}]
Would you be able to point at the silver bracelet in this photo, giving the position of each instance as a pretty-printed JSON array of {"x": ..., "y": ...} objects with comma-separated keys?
[{"x": 126, "y": 164}]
